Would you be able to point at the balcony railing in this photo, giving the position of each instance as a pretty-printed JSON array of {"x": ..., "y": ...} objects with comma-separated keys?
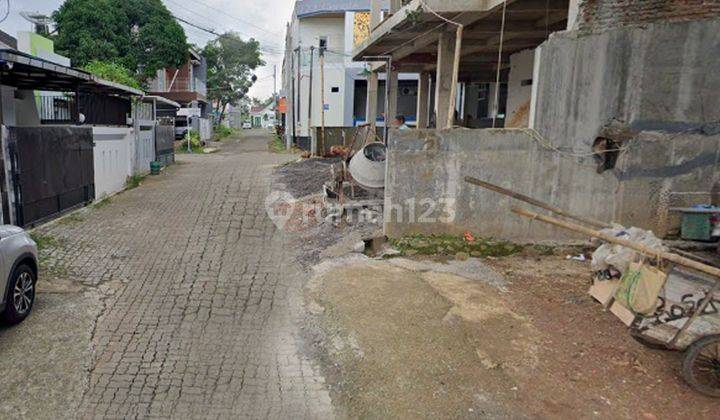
[{"x": 186, "y": 84}]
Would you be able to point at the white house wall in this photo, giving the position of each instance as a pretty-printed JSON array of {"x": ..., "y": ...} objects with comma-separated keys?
[
  {"x": 112, "y": 159},
  {"x": 311, "y": 30}
]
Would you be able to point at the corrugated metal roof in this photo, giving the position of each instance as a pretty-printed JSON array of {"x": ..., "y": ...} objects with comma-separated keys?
[{"x": 305, "y": 8}]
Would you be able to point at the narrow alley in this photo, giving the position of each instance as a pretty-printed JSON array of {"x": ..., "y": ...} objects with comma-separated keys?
[{"x": 195, "y": 315}]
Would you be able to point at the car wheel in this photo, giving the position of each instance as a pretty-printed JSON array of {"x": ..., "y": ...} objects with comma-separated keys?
[{"x": 21, "y": 295}]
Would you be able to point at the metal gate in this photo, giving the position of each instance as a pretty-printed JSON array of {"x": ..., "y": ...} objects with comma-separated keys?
[
  {"x": 164, "y": 142},
  {"x": 50, "y": 170}
]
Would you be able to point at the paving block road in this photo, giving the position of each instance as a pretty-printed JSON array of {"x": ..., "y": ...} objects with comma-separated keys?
[{"x": 200, "y": 299}]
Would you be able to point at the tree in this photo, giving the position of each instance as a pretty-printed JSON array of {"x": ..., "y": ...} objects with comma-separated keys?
[
  {"x": 113, "y": 72},
  {"x": 230, "y": 62},
  {"x": 140, "y": 35},
  {"x": 262, "y": 102}
]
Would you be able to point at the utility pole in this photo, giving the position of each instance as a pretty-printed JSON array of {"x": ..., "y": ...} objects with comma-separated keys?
[
  {"x": 275, "y": 84},
  {"x": 310, "y": 98},
  {"x": 292, "y": 84},
  {"x": 275, "y": 100},
  {"x": 299, "y": 82},
  {"x": 322, "y": 97}
]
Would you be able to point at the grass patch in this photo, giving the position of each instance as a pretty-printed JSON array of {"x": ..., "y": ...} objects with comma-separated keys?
[
  {"x": 44, "y": 242},
  {"x": 71, "y": 218},
  {"x": 101, "y": 203},
  {"x": 277, "y": 145},
  {"x": 181, "y": 148},
  {"x": 222, "y": 132},
  {"x": 134, "y": 181},
  {"x": 451, "y": 245}
]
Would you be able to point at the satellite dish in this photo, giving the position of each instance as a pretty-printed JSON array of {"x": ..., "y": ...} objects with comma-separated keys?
[{"x": 41, "y": 23}]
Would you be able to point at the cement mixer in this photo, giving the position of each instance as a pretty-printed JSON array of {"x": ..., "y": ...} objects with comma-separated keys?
[{"x": 367, "y": 167}]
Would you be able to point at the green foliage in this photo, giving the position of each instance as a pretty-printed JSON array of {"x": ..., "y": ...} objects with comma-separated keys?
[
  {"x": 277, "y": 145},
  {"x": 113, "y": 72},
  {"x": 44, "y": 242},
  {"x": 451, "y": 245},
  {"x": 140, "y": 35},
  {"x": 223, "y": 131},
  {"x": 74, "y": 217},
  {"x": 134, "y": 181},
  {"x": 195, "y": 143},
  {"x": 230, "y": 63},
  {"x": 104, "y": 201}
]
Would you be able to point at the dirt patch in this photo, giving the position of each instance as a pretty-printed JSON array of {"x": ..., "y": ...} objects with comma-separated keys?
[
  {"x": 406, "y": 339},
  {"x": 306, "y": 176},
  {"x": 590, "y": 365},
  {"x": 421, "y": 345}
]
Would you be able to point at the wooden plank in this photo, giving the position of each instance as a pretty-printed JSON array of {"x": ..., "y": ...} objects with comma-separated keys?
[
  {"x": 534, "y": 202},
  {"x": 645, "y": 250}
]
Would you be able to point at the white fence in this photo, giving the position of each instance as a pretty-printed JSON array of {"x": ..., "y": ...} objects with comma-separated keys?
[
  {"x": 112, "y": 158},
  {"x": 144, "y": 147},
  {"x": 204, "y": 127}
]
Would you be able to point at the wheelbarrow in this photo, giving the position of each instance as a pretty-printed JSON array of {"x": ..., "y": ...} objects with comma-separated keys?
[{"x": 687, "y": 319}]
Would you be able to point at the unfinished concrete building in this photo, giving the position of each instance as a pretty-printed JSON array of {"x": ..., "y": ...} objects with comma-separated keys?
[{"x": 606, "y": 110}]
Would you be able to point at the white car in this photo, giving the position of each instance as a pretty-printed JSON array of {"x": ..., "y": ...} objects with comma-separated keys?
[
  {"x": 18, "y": 273},
  {"x": 246, "y": 126}
]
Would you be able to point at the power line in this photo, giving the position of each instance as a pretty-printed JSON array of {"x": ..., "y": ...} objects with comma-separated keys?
[
  {"x": 213, "y": 32},
  {"x": 224, "y": 12},
  {"x": 205, "y": 17}
]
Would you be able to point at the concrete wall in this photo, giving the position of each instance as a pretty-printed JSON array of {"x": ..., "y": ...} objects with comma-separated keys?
[
  {"x": 113, "y": 159},
  {"x": 660, "y": 77},
  {"x": 519, "y": 91},
  {"x": 426, "y": 171},
  {"x": 599, "y": 15}
]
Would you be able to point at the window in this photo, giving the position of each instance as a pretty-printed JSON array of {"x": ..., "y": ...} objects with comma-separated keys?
[
  {"x": 335, "y": 89},
  {"x": 323, "y": 42}
]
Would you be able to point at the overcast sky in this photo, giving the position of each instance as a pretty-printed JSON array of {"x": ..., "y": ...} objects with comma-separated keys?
[{"x": 264, "y": 20}]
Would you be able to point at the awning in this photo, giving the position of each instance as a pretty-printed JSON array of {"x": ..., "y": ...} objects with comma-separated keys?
[
  {"x": 162, "y": 100},
  {"x": 25, "y": 71},
  {"x": 410, "y": 36}
]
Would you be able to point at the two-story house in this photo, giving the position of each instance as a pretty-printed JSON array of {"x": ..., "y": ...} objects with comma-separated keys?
[
  {"x": 334, "y": 92},
  {"x": 185, "y": 85}
]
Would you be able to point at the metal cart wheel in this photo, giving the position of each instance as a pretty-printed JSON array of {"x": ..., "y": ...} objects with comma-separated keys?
[{"x": 701, "y": 367}]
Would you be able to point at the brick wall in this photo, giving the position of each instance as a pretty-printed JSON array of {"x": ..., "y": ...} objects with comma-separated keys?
[{"x": 599, "y": 15}]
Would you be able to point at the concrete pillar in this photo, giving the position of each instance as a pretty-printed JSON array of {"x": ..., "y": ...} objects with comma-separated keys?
[
  {"x": 573, "y": 11},
  {"x": 372, "y": 100},
  {"x": 375, "y": 14},
  {"x": 423, "y": 104},
  {"x": 443, "y": 85},
  {"x": 395, "y": 5},
  {"x": 392, "y": 78}
]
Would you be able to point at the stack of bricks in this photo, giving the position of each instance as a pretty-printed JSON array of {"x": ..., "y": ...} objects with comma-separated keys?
[{"x": 600, "y": 15}]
